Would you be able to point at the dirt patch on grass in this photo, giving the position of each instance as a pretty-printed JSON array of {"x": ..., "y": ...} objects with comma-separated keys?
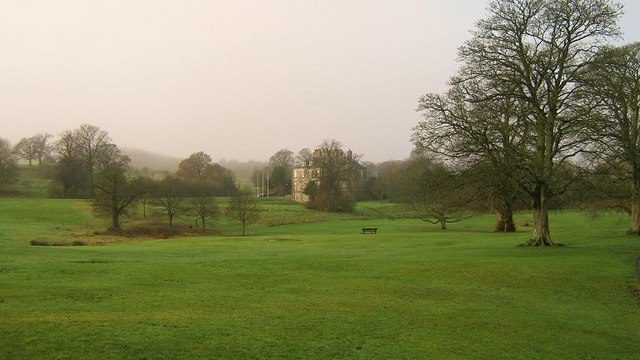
[
  {"x": 10, "y": 193},
  {"x": 45, "y": 242},
  {"x": 91, "y": 261},
  {"x": 155, "y": 232},
  {"x": 282, "y": 239}
]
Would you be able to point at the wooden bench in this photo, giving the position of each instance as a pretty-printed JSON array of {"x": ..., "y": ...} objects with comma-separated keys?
[{"x": 369, "y": 230}]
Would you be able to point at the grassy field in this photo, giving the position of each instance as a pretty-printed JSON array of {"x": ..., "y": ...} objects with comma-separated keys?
[{"x": 308, "y": 285}]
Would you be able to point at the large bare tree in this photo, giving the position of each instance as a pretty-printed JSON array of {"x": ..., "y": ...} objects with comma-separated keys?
[
  {"x": 611, "y": 98},
  {"x": 483, "y": 136},
  {"x": 537, "y": 51}
]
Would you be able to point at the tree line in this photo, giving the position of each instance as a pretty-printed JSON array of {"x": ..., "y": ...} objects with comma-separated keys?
[{"x": 85, "y": 163}]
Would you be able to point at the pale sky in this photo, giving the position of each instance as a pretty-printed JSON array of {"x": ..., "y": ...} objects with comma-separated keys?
[{"x": 238, "y": 79}]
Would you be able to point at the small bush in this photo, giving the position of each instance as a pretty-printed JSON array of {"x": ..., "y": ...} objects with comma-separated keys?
[{"x": 78, "y": 243}]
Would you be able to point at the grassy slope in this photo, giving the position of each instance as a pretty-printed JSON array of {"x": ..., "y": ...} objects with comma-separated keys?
[{"x": 317, "y": 289}]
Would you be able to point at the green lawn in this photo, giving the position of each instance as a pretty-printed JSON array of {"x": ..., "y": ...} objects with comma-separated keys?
[{"x": 308, "y": 285}]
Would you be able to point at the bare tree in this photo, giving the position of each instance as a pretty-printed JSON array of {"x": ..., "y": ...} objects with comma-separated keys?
[
  {"x": 611, "y": 98},
  {"x": 70, "y": 172},
  {"x": 92, "y": 143},
  {"x": 481, "y": 135},
  {"x": 8, "y": 168},
  {"x": 26, "y": 148},
  {"x": 42, "y": 147},
  {"x": 536, "y": 51},
  {"x": 243, "y": 208},
  {"x": 114, "y": 191},
  {"x": 203, "y": 204},
  {"x": 304, "y": 155},
  {"x": 434, "y": 193},
  {"x": 171, "y": 198},
  {"x": 195, "y": 167},
  {"x": 338, "y": 177}
]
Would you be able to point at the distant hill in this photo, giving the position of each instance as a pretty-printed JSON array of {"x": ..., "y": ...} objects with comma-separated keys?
[
  {"x": 142, "y": 159},
  {"x": 243, "y": 170}
]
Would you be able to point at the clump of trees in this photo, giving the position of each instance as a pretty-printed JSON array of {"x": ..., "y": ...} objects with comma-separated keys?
[
  {"x": 517, "y": 107},
  {"x": 80, "y": 154},
  {"x": 87, "y": 164},
  {"x": 33, "y": 148}
]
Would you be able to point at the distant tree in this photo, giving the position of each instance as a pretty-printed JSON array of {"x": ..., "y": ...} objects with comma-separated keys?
[
  {"x": 67, "y": 145},
  {"x": 194, "y": 167},
  {"x": 611, "y": 87},
  {"x": 8, "y": 168},
  {"x": 171, "y": 197},
  {"x": 304, "y": 155},
  {"x": 280, "y": 180},
  {"x": 387, "y": 185},
  {"x": 199, "y": 168},
  {"x": 70, "y": 172},
  {"x": 281, "y": 171},
  {"x": 148, "y": 187},
  {"x": 434, "y": 193},
  {"x": 337, "y": 179},
  {"x": 80, "y": 154},
  {"x": 203, "y": 204},
  {"x": 283, "y": 158},
  {"x": 26, "y": 148},
  {"x": 114, "y": 191},
  {"x": 42, "y": 147},
  {"x": 243, "y": 208},
  {"x": 94, "y": 147}
]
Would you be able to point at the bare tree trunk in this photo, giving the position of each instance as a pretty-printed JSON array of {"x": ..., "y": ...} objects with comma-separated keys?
[
  {"x": 243, "y": 226},
  {"x": 505, "y": 219},
  {"x": 115, "y": 221},
  {"x": 635, "y": 209},
  {"x": 203, "y": 225},
  {"x": 170, "y": 222},
  {"x": 443, "y": 223},
  {"x": 501, "y": 224},
  {"x": 541, "y": 236}
]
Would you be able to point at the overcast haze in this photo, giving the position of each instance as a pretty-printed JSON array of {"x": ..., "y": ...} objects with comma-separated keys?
[{"x": 237, "y": 79}]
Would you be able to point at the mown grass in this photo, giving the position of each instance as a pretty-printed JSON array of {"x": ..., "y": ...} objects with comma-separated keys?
[{"x": 316, "y": 288}]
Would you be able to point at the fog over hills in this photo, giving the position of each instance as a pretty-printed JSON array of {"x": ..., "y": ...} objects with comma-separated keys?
[
  {"x": 142, "y": 158},
  {"x": 242, "y": 170}
]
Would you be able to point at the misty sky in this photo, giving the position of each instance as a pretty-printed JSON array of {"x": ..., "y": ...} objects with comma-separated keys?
[{"x": 238, "y": 79}]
